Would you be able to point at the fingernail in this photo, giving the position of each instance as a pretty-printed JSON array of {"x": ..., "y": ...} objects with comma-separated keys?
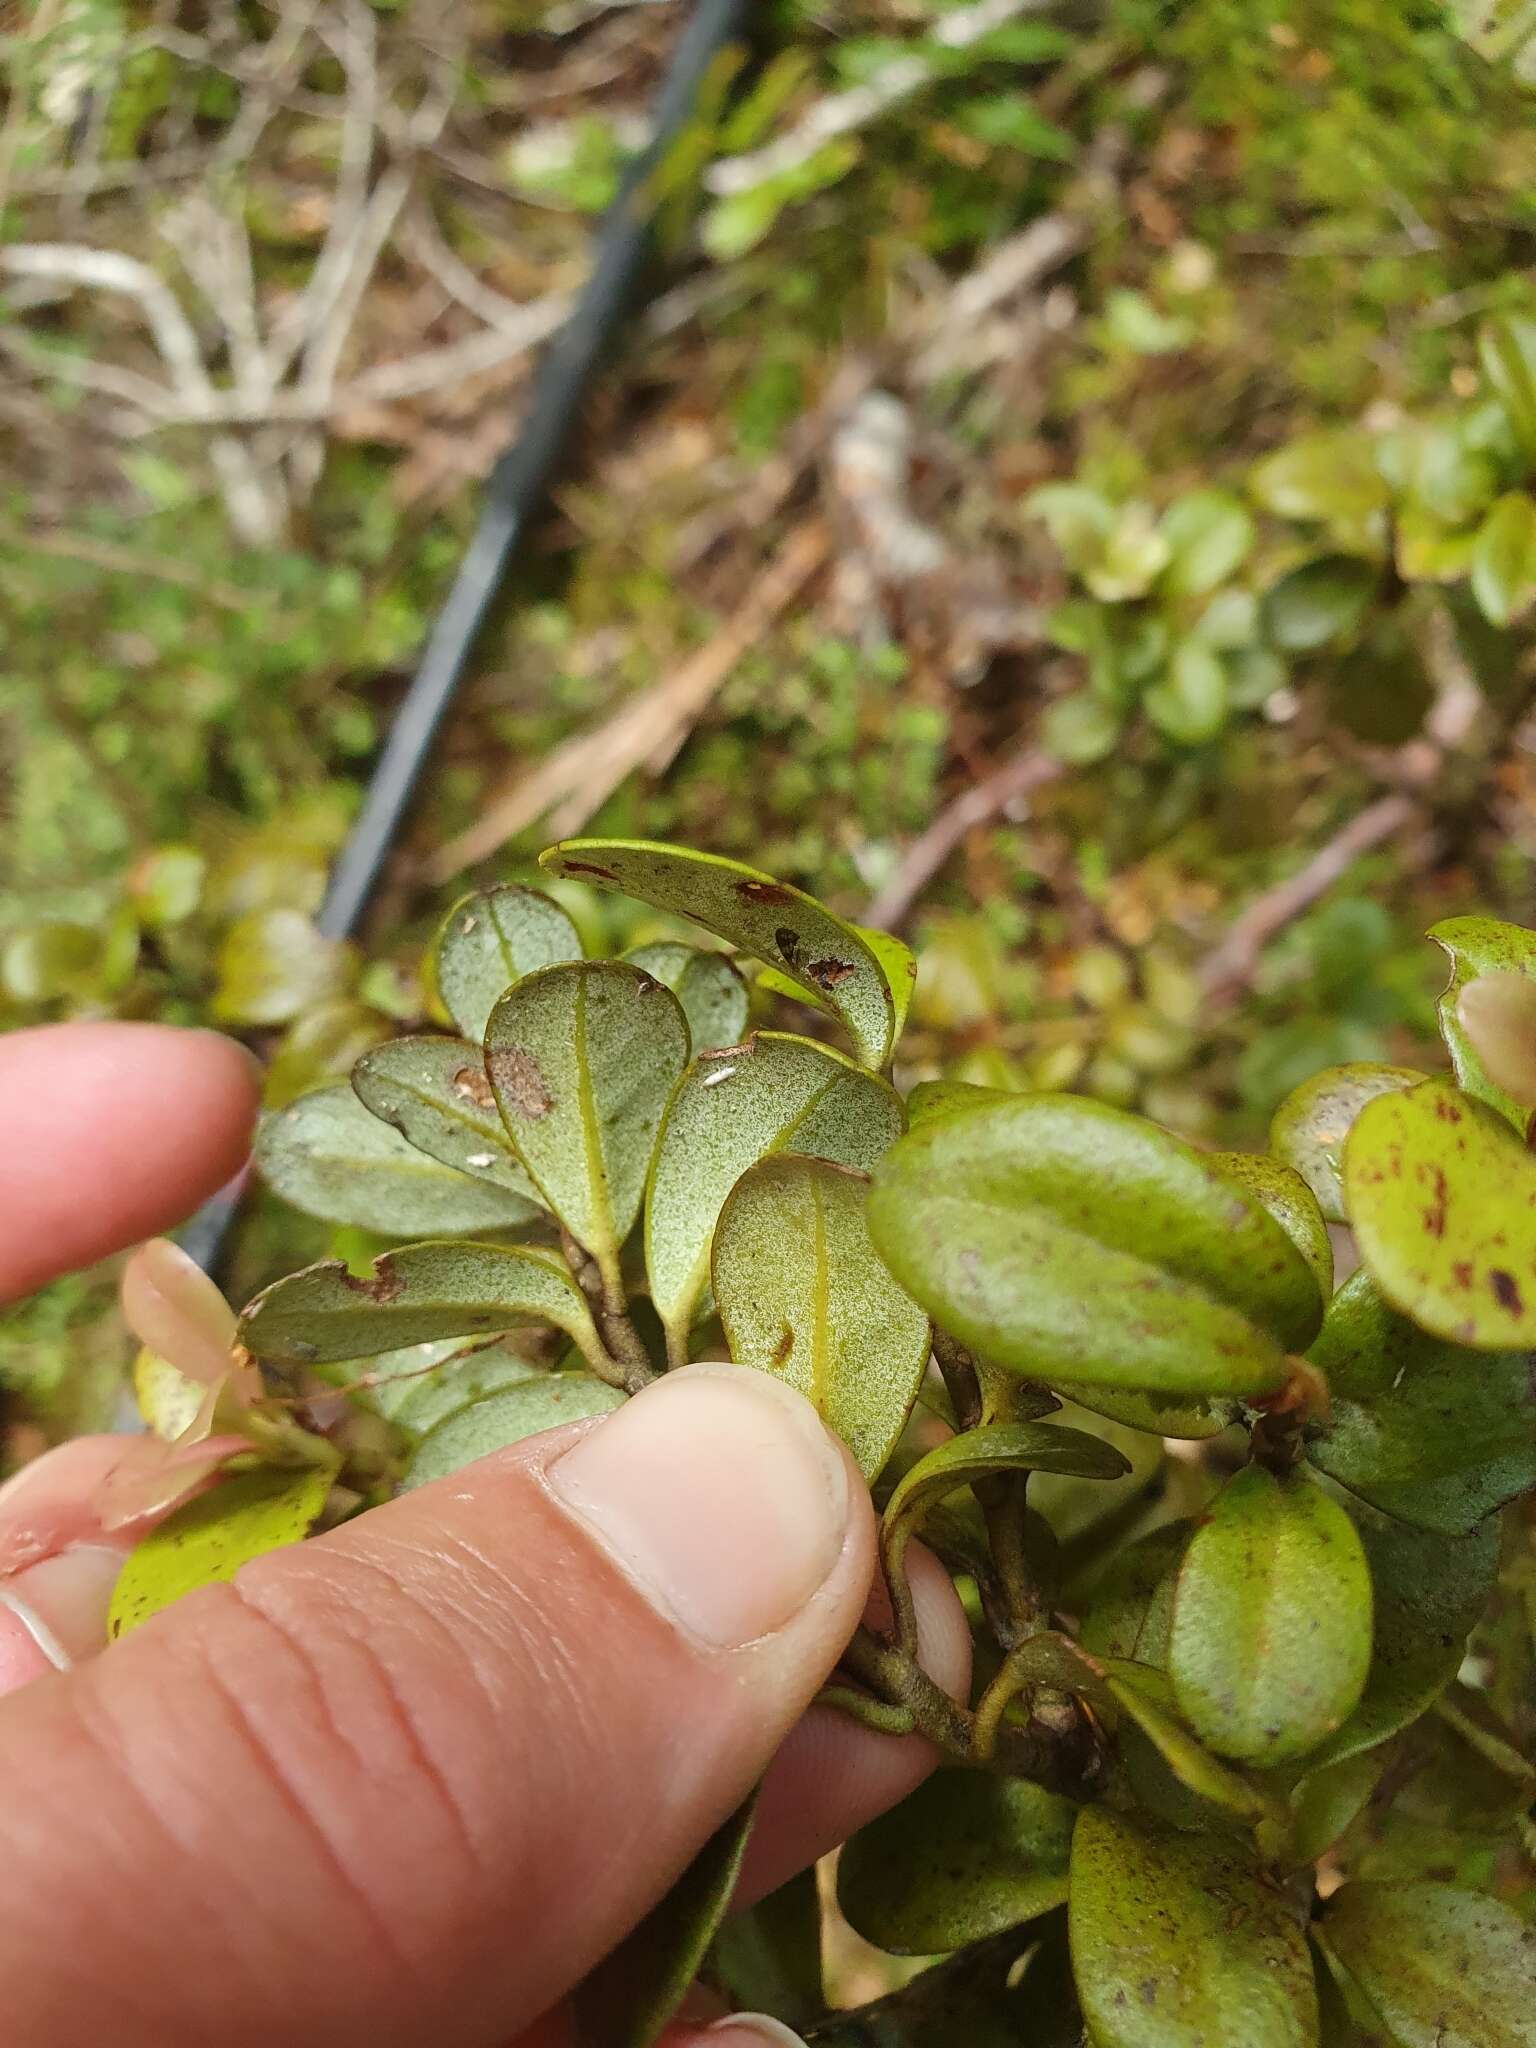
[
  {"x": 719, "y": 1494},
  {"x": 54, "y": 1614},
  {"x": 751, "y": 2030}
]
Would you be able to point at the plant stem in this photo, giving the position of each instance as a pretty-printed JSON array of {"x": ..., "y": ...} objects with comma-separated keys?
[
  {"x": 958, "y": 1370},
  {"x": 1005, "y": 1508},
  {"x": 624, "y": 1362}
]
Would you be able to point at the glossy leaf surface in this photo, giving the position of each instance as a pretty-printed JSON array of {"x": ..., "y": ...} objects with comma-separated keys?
[
  {"x": 1179, "y": 1942},
  {"x": 1442, "y": 1201},
  {"x": 711, "y": 992},
  {"x": 582, "y": 1060},
  {"x": 1478, "y": 946},
  {"x": 421, "y": 1292},
  {"x": 1309, "y": 1128},
  {"x": 782, "y": 926},
  {"x": 803, "y": 1294},
  {"x": 1073, "y": 1242},
  {"x": 332, "y": 1158},
  {"x": 534, "y": 1402},
  {"x": 1271, "y": 1633},
  {"x": 963, "y": 1857},
  {"x": 1436, "y": 1966},
  {"x": 1417, "y": 1427},
  {"x": 434, "y": 1092},
  {"x": 211, "y": 1537},
  {"x": 491, "y": 939},
  {"x": 775, "y": 1093}
]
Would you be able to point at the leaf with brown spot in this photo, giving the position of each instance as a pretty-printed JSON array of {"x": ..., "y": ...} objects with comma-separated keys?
[
  {"x": 708, "y": 985},
  {"x": 417, "y": 1294},
  {"x": 583, "y": 1059},
  {"x": 1442, "y": 1200},
  {"x": 435, "y": 1093},
  {"x": 1438, "y": 1967},
  {"x": 860, "y": 981}
]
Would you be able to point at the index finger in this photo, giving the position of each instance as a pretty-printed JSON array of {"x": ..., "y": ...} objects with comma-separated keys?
[{"x": 109, "y": 1133}]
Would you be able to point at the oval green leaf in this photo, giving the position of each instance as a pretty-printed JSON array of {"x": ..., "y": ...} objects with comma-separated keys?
[
  {"x": 463, "y": 1378},
  {"x": 1416, "y": 1427},
  {"x": 1442, "y": 1201},
  {"x": 1310, "y": 1126},
  {"x": 942, "y": 1098},
  {"x": 803, "y": 1294},
  {"x": 1479, "y": 946},
  {"x": 999, "y": 1447},
  {"x": 534, "y": 1402},
  {"x": 435, "y": 1093},
  {"x": 421, "y": 1292},
  {"x": 821, "y": 953},
  {"x": 1504, "y": 559},
  {"x": 712, "y": 993},
  {"x": 332, "y": 1158},
  {"x": 965, "y": 1856},
  {"x": 1131, "y": 1611},
  {"x": 1180, "y": 1941},
  {"x": 1435, "y": 1966},
  {"x": 211, "y": 1537},
  {"x": 1271, "y": 1635},
  {"x": 492, "y": 938},
  {"x": 1073, "y": 1242},
  {"x": 582, "y": 1060},
  {"x": 776, "y": 1092}
]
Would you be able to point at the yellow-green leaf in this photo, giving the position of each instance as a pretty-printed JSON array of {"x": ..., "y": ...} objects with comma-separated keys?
[
  {"x": 1442, "y": 1200},
  {"x": 804, "y": 1294},
  {"x": 211, "y": 1537},
  {"x": 1479, "y": 947},
  {"x": 1271, "y": 1634},
  {"x": 1310, "y": 1126},
  {"x": 1435, "y": 1966},
  {"x": 435, "y": 1093},
  {"x": 1181, "y": 1941}
]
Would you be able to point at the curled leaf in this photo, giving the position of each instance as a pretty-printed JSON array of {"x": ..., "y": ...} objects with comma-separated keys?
[
  {"x": 1479, "y": 949},
  {"x": 1310, "y": 1126},
  {"x": 177, "y": 1312},
  {"x": 435, "y": 1093},
  {"x": 831, "y": 960}
]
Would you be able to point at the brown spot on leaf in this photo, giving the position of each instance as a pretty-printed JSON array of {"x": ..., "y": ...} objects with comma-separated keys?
[
  {"x": 782, "y": 1348},
  {"x": 828, "y": 973},
  {"x": 587, "y": 867},
  {"x": 520, "y": 1081},
  {"x": 471, "y": 1085},
  {"x": 384, "y": 1285},
  {"x": 1461, "y": 1272},
  {"x": 1506, "y": 1291},
  {"x": 1447, "y": 1111},
  {"x": 764, "y": 893},
  {"x": 788, "y": 944}
]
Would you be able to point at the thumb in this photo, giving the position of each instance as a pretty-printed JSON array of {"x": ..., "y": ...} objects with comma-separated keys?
[{"x": 410, "y": 1780}]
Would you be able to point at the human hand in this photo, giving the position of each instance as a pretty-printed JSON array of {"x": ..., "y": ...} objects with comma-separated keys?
[{"x": 412, "y": 1779}]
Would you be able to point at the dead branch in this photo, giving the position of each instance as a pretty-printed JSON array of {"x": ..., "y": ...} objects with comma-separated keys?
[
  {"x": 580, "y": 776},
  {"x": 1010, "y": 785}
]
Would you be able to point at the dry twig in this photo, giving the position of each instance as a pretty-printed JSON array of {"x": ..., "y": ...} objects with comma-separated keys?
[
  {"x": 1017, "y": 779},
  {"x": 580, "y": 776}
]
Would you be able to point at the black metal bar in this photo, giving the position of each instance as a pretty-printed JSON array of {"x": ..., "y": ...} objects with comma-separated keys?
[{"x": 514, "y": 494}]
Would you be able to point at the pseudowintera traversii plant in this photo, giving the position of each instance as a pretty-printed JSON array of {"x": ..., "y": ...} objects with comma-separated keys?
[{"x": 1229, "y": 1777}]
